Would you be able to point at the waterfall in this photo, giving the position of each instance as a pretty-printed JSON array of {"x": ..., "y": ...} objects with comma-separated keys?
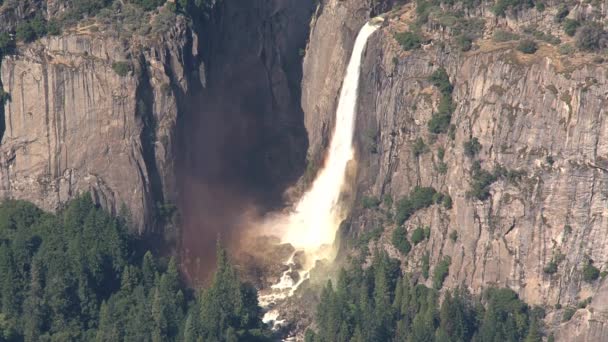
[
  {"x": 318, "y": 214},
  {"x": 313, "y": 224}
]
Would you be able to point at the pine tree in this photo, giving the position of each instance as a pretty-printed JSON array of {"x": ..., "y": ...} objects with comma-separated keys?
[
  {"x": 148, "y": 270},
  {"x": 34, "y": 311}
]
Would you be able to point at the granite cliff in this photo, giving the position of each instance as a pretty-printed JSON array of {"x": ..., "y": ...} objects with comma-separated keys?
[{"x": 235, "y": 84}]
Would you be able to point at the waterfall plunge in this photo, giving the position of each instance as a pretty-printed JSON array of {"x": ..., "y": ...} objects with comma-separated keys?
[
  {"x": 318, "y": 214},
  {"x": 313, "y": 224}
]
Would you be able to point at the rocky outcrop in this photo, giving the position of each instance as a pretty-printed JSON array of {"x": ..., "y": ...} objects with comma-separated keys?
[
  {"x": 540, "y": 117},
  {"x": 75, "y": 122}
]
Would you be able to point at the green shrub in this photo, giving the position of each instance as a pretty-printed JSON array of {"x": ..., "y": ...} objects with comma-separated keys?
[
  {"x": 149, "y": 5},
  {"x": 388, "y": 200},
  {"x": 408, "y": 40},
  {"x": 584, "y": 303},
  {"x": 562, "y": 13},
  {"x": 418, "y": 199},
  {"x": 121, "y": 68},
  {"x": 422, "y": 197},
  {"x": 501, "y": 6},
  {"x": 400, "y": 242},
  {"x": 441, "y": 80},
  {"x": 447, "y": 201},
  {"x": 442, "y": 168},
  {"x": 551, "y": 268},
  {"x": 540, "y": 6},
  {"x": 454, "y": 235},
  {"x": 565, "y": 49},
  {"x": 427, "y": 232},
  {"x": 591, "y": 37},
  {"x": 441, "y": 272},
  {"x": 417, "y": 235},
  {"x": 464, "y": 43},
  {"x": 481, "y": 182},
  {"x": 419, "y": 147},
  {"x": 372, "y": 235},
  {"x": 440, "y": 153},
  {"x": 426, "y": 265},
  {"x": 567, "y": 229},
  {"x": 6, "y": 43},
  {"x": 568, "y": 313},
  {"x": 25, "y": 32},
  {"x": 472, "y": 147},
  {"x": 527, "y": 46},
  {"x": 570, "y": 26},
  {"x": 370, "y": 202},
  {"x": 504, "y": 36},
  {"x": 590, "y": 272},
  {"x": 439, "y": 123}
]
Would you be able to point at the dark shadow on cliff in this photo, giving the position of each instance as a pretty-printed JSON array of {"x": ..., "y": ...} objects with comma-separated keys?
[{"x": 241, "y": 136}]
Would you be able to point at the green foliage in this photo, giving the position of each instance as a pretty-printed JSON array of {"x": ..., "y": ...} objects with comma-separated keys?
[
  {"x": 501, "y": 6},
  {"x": 570, "y": 26},
  {"x": 380, "y": 304},
  {"x": 527, "y": 46},
  {"x": 388, "y": 200},
  {"x": 562, "y": 13},
  {"x": 465, "y": 43},
  {"x": 372, "y": 235},
  {"x": 419, "y": 198},
  {"x": 399, "y": 240},
  {"x": 426, "y": 265},
  {"x": 441, "y": 272},
  {"x": 427, "y": 232},
  {"x": 149, "y": 5},
  {"x": 408, "y": 40},
  {"x": 504, "y": 36},
  {"x": 506, "y": 318},
  {"x": 454, "y": 235},
  {"x": 25, "y": 32},
  {"x": 419, "y": 147},
  {"x": 121, "y": 69},
  {"x": 568, "y": 313},
  {"x": 447, "y": 201},
  {"x": 540, "y": 35},
  {"x": 472, "y": 147},
  {"x": 418, "y": 235},
  {"x": 551, "y": 267},
  {"x": 6, "y": 43},
  {"x": 481, "y": 182},
  {"x": 76, "y": 276},
  {"x": 440, "y": 121},
  {"x": 591, "y": 37},
  {"x": 440, "y": 79},
  {"x": 370, "y": 202},
  {"x": 590, "y": 272},
  {"x": 440, "y": 153}
]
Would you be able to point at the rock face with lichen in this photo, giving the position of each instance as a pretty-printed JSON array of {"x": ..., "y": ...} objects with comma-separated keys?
[{"x": 541, "y": 122}]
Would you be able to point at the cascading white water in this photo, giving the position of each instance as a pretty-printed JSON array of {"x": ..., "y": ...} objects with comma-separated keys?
[
  {"x": 318, "y": 214},
  {"x": 312, "y": 226}
]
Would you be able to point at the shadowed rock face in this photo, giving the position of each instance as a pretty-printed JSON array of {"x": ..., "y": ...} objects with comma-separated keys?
[{"x": 242, "y": 138}]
